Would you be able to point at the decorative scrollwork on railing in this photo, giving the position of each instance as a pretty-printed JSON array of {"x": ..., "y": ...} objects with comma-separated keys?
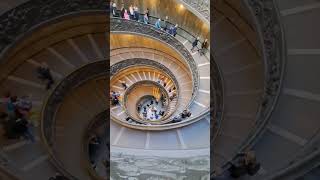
[
  {"x": 98, "y": 126},
  {"x": 268, "y": 25},
  {"x": 32, "y": 13},
  {"x": 128, "y": 26},
  {"x": 272, "y": 38},
  {"x": 129, "y": 63},
  {"x": 201, "y": 6}
]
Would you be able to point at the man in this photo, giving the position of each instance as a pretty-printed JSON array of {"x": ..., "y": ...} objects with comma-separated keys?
[
  {"x": 195, "y": 43},
  {"x": 157, "y": 24},
  {"x": 44, "y": 74},
  {"x": 173, "y": 30},
  {"x": 204, "y": 47}
]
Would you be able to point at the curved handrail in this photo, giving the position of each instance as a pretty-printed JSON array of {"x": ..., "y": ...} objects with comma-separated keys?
[
  {"x": 119, "y": 25},
  {"x": 133, "y": 62},
  {"x": 267, "y": 20},
  {"x": 119, "y": 66},
  {"x": 202, "y": 7},
  {"x": 137, "y": 84},
  {"x": 141, "y": 48},
  {"x": 272, "y": 37},
  {"x": 180, "y": 31},
  {"x": 53, "y": 101},
  {"x": 100, "y": 119}
]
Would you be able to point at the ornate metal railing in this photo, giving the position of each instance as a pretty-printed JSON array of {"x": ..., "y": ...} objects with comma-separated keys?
[
  {"x": 118, "y": 25},
  {"x": 19, "y": 21},
  {"x": 99, "y": 121},
  {"x": 271, "y": 36},
  {"x": 54, "y": 100},
  {"x": 269, "y": 28},
  {"x": 129, "y": 63},
  {"x": 162, "y": 89},
  {"x": 200, "y": 6}
]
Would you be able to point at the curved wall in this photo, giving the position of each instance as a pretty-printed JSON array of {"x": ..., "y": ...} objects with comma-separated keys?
[
  {"x": 177, "y": 13},
  {"x": 134, "y": 41}
]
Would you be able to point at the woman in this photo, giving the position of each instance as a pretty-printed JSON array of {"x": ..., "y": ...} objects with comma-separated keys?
[
  {"x": 126, "y": 15},
  {"x": 145, "y": 18}
]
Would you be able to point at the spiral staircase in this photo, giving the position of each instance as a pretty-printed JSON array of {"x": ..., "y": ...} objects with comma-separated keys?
[{"x": 264, "y": 96}]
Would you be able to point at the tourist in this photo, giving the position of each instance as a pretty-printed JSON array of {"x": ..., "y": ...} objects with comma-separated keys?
[
  {"x": 44, "y": 74},
  {"x": 126, "y": 15},
  {"x": 165, "y": 23},
  {"x": 139, "y": 107},
  {"x": 176, "y": 119},
  {"x": 164, "y": 84},
  {"x": 157, "y": 24},
  {"x": 10, "y": 103},
  {"x": 122, "y": 12},
  {"x": 136, "y": 13},
  {"x": 114, "y": 9},
  {"x": 173, "y": 30},
  {"x": 185, "y": 113},
  {"x": 244, "y": 163},
  {"x": 195, "y": 43},
  {"x": 174, "y": 95},
  {"x": 145, "y": 18},
  {"x": 147, "y": 13},
  {"x": 131, "y": 12},
  {"x": 124, "y": 85},
  {"x": 204, "y": 47}
]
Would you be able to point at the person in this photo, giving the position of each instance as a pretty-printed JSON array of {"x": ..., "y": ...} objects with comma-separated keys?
[
  {"x": 147, "y": 13},
  {"x": 145, "y": 18},
  {"x": 136, "y": 13},
  {"x": 245, "y": 163},
  {"x": 94, "y": 142},
  {"x": 122, "y": 12},
  {"x": 139, "y": 107},
  {"x": 176, "y": 119},
  {"x": 131, "y": 12},
  {"x": 195, "y": 43},
  {"x": 164, "y": 84},
  {"x": 173, "y": 30},
  {"x": 157, "y": 24},
  {"x": 124, "y": 85},
  {"x": 185, "y": 113},
  {"x": 11, "y": 102},
  {"x": 126, "y": 15},
  {"x": 174, "y": 95},
  {"x": 204, "y": 47},
  {"x": 44, "y": 74},
  {"x": 165, "y": 23},
  {"x": 114, "y": 9}
]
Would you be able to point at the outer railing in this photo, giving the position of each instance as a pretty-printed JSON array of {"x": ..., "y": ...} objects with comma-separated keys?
[
  {"x": 99, "y": 121},
  {"x": 119, "y": 25},
  {"x": 129, "y": 63},
  {"x": 269, "y": 28},
  {"x": 162, "y": 89},
  {"x": 16, "y": 23},
  {"x": 54, "y": 100},
  {"x": 271, "y": 36},
  {"x": 200, "y": 6}
]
